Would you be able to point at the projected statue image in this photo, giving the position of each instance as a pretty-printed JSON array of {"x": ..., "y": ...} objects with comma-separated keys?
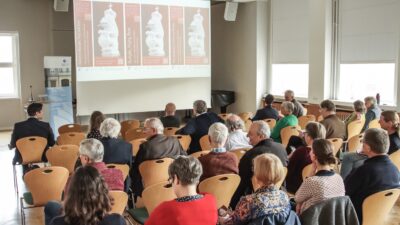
[
  {"x": 108, "y": 34},
  {"x": 197, "y": 35},
  {"x": 155, "y": 34}
]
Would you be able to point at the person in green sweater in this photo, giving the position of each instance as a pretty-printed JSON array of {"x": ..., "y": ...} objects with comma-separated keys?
[{"x": 288, "y": 120}]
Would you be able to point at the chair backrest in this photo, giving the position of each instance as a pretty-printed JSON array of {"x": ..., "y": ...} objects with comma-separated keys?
[
  {"x": 221, "y": 186},
  {"x": 122, "y": 167},
  {"x": 287, "y": 132},
  {"x": 120, "y": 200},
  {"x": 247, "y": 125},
  {"x": 67, "y": 128},
  {"x": 134, "y": 133},
  {"x": 46, "y": 184},
  {"x": 64, "y": 156},
  {"x": 240, "y": 152},
  {"x": 223, "y": 116},
  {"x": 355, "y": 142},
  {"x": 71, "y": 138},
  {"x": 374, "y": 124},
  {"x": 337, "y": 143},
  {"x": 136, "y": 144},
  {"x": 199, "y": 154},
  {"x": 31, "y": 148},
  {"x": 127, "y": 125},
  {"x": 154, "y": 171},
  {"x": 395, "y": 157},
  {"x": 354, "y": 128},
  {"x": 343, "y": 115},
  {"x": 376, "y": 207},
  {"x": 156, "y": 194},
  {"x": 271, "y": 123},
  {"x": 303, "y": 120},
  {"x": 246, "y": 116},
  {"x": 184, "y": 140},
  {"x": 205, "y": 143},
  {"x": 306, "y": 171},
  {"x": 170, "y": 131},
  {"x": 279, "y": 184}
]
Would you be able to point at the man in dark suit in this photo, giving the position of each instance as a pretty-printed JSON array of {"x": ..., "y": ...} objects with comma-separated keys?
[
  {"x": 157, "y": 146},
  {"x": 198, "y": 127},
  {"x": 258, "y": 134},
  {"x": 170, "y": 119},
  {"x": 32, "y": 127},
  {"x": 267, "y": 112}
]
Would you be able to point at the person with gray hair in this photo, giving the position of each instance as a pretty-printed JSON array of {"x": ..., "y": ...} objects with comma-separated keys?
[
  {"x": 157, "y": 146},
  {"x": 189, "y": 206},
  {"x": 218, "y": 161},
  {"x": 373, "y": 111},
  {"x": 288, "y": 120},
  {"x": 378, "y": 173},
  {"x": 198, "y": 126},
  {"x": 237, "y": 138},
  {"x": 259, "y": 135},
  {"x": 91, "y": 152},
  {"x": 170, "y": 119},
  {"x": 298, "y": 109}
]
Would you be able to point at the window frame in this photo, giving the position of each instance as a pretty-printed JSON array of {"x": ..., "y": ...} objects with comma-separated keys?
[{"x": 15, "y": 65}]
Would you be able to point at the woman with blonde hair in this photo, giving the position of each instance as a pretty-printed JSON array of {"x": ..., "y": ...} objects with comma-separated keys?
[{"x": 390, "y": 122}]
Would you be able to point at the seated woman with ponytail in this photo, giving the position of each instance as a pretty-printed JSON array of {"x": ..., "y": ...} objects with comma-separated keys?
[{"x": 325, "y": 184}]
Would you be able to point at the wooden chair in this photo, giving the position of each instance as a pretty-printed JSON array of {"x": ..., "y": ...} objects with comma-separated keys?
[
  {"x": 199, "y": 154},
  {"x": 45, "y": 184},
  {"x": 127, "y": 125},
  {"x": 337, "y": 143},
  {"x": 64, "y": 156},
  {"x": 303, "y": 120},
  {"x": 119, "y": 201},
  {"x": 395, "y": 157},
  {"x": 205, "y": 143},
  {"x": 223, "y": 116},
  {"x": 71, "y": 138},
  {"x": 246, "y": 116},
  {"x": 376, "y": 207},
  {"x": 170, "y": 131},
  {"x": 122, "y": 167},
  {"x": 287, "y": 132},
  {"x": 136, "y": 144},
  {"x": 134, "y": 133},
  {"x": 279, "y": 184},
  {"x": 307, "y": 171},
  {"x": 354, "y": 128},
  {"x": 247, "y": 125},
  {"x": 355, "y": 142},
  {"x": 271, "y": 123},
  {"x": 343, "y": 115},
  {"x": 240, "y": 152},
  {"x": 184, "y": 140},
  {"x": 221, "y": 186},
  {"x": 67, "y": 128},
  {"x": 374, "y": 124},
  {"x": 154, "y": 171}
]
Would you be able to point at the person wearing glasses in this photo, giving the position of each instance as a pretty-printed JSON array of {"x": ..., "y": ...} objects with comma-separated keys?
[{"x": 189, "y": 207}]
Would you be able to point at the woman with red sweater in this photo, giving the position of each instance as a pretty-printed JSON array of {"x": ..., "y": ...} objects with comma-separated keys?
[{"x": 190, "y": 208}]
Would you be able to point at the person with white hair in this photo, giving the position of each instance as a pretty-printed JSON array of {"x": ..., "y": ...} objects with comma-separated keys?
[
  {"x": 288, "y": 120},
  {"x": 237, "y": 138},
  {"x": 218, "y": 161},
  {"x": 157, "y": 146},
  {"x": 298, "y": 109},
  {"x": 259, "y": 135}
]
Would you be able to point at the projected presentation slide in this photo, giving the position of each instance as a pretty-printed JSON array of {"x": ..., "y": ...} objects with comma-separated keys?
[{"x": 132, "y": 39}]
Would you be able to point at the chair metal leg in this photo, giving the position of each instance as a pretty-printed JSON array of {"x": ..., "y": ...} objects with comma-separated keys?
[
  {"x": 22, "y": 213},
  {"x": 15, "y": 181}
]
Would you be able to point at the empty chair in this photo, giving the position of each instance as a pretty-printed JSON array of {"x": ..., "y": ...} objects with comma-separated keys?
[
  {"x": 127, "y": 125},
  {"x": 199, "y": 154},
  {"x": 71, "y": 138},
  {"x": 184, "y": 140},
  {"x": 303, "y": 120},
  {"x": 247, "y": 124},
  {"x": 205, "y": 143},
  {"x": 221, "y": 186},
  {"x": 376, "y": 207},
  {"x": 395, "y": 157},
  {"x": 119, "y": 201},
  {"x": 374, "y": 124},
  {"x": 271, "y": 123},
  {"x": 354, "y": 128},
  {"x": 136, "y": 144},
  {"x": 154, "y": 171},
  {"x": 134, "y": 133},
  {"x": 67, "y": 128},
  {"x": 240, "y": 152},
  {"x": 337, "y": 143},
  {"x": 287, "y": 132},
  {"x": 122, "y": 167},
  {"x": 170, "y": 131},
  {"x": 355, "y": 142},
  {"x": 64, "y": 156},
  {"x": 246, "y": 116}
]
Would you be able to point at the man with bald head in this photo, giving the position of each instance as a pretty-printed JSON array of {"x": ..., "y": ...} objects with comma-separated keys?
[{"x": 237, "y": 138}]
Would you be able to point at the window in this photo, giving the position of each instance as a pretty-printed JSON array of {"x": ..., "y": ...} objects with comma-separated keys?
[
  {"x": 368, "y": 49},
  {"x": 9, "y": 65},
  {"x": 290, "y": 38}
]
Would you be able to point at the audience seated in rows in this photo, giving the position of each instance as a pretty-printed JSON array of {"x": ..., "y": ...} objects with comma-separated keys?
[
  {"x": 259, "y": 135},
  {"x": 298, "y": 109},
  {"x": 288, "y": 120},
  {"x": 373, "y": 111},
  {"x": 31, "y": 127},
  {"x": 358, "y": 114},
  {"x": 300, "y": 158},
  {"x": 198, "y": 126},
  {"x": 268, "y": 112},
  {"x": 218, "y": 161},
  {"x": 267, "y": 200},
  {"x": 87, "y": 184},
  {"x": 237, "y": 138},
  {"x": 94, "y": 127},
  {"x": 157, "y": 146},
  {"x": 325, "y": 183},
  {"x": 378, "y": 173},
  {"x": 190, "y": 207},
  {"x": 170, "y": 119},
  {"x": 335, "y": 127}
]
